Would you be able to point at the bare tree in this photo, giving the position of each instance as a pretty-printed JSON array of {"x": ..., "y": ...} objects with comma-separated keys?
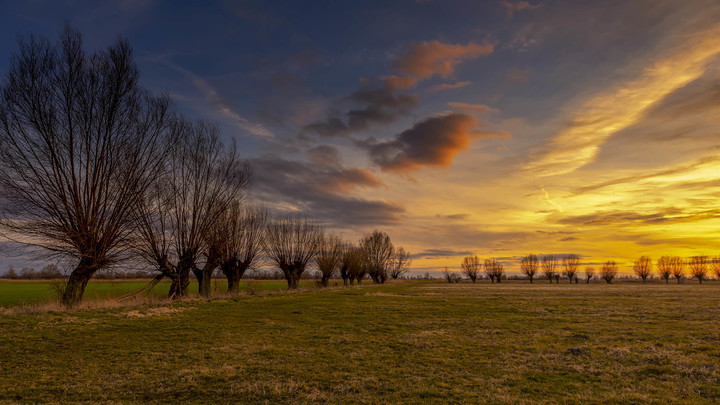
[
  {"x": 715, "y": 266},
  {"x": 549, "y": 266},
  {"x": 238, "y": 238},
  {"x": 665, "y": 268},
  {"x": 378, "y": 251},
  {"x": 494, "y": 269},
  {"x": 471, "y": 267},
  {"x": 698, "y": 267},
  {"x": 177, "y": 220},
  {"x": 329, "y": 257},
  {"x": 291, "y": 243},
  {"x": 609, "y": 271},
  {"x": 80, "y": 142},
  {"x": 571, "y": 263},
  {"x": 400, "y": 264},
  {"x": 589, "y": 274},
  {"x": 355, "y": 264},
  {"x": 677, "y": 266},
  {"x": 451, "y": 277},
  {"x": 530, "y": 265},
  {"x": 643, "y": 267}
]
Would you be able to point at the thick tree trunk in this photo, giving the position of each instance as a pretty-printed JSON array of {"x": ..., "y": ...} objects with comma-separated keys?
[
  {"x": 180, "y": 284},
  {"x": 531, "y": 280},
  {"x": 77, "y": 282},
  {"x": 324, "y": 281},
  {"x": 292, "y": 275},
  {"x": 204, "y": 277}
]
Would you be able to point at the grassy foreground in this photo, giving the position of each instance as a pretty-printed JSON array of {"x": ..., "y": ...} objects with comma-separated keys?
[
  {"x": 418, "y": 342},
  {"x": 21, "y": 292}
]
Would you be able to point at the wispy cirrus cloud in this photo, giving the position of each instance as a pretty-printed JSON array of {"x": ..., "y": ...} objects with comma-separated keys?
[
  {"x": 426, "y": 59},
  {"x": 626, "y": 104},
  {"x": 449, "y": 86}
]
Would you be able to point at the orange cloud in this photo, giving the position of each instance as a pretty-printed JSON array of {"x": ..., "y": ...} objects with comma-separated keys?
[
  {"x": 426, "y": 59},
  {"x": 518, "y": 6},
  {"x": 432, "y": 142},
  {"x": 449, "y": 86},
  {"x": 400, "y": 83}
]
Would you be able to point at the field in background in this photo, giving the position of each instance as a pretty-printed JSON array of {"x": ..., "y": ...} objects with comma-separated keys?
[
  {"x": 410, "y": 342},
  {"x": 19, "y": 292}
]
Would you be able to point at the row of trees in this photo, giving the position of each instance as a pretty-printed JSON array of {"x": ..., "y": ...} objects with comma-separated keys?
[
  {"x": 96, "y": 169},
  {"x": 555, "y": 267}
]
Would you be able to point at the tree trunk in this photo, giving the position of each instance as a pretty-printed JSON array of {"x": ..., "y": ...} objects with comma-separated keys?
[
  {"x": 324, "y": 281},
  {"x": 76, "y": 284},
  {"x": 531, "y": 280},
  {"x": 180, "y": 284},
  {"x": 204, "y": 277}
]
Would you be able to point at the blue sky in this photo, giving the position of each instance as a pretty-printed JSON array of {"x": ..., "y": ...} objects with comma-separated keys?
[{"x": 491, "y": 127}]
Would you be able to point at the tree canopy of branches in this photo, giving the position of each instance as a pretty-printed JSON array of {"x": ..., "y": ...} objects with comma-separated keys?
[
  {"x": 643, "y": 267},
  {"x": 353, "y": 266},
  {"x": 715, "y": 266},
  {"x": 571, "y": 264},
  {"x": 401, "y": 263},
  {"x": 237, "y": 240},
  {"x": 549, "y": 266},
  {"x": 677, "y": 267},
  {"x": 378, "y": 253},
  {"x": 178, "y": 221},
  {"x": 329, "y": 257},
  {"x": 291, "y": 243},
  {"x": 608, "y": 271},
  {"x": 80, "y": 142},
  {"x": 530, "y": 265},
  {"x": 471, "y": 267},
  {"x": 665, "y": 268},
  {"x": 698, "y": 267},
  {"x": 494, "y": 269},
  {"x": 589, "y": 274}
]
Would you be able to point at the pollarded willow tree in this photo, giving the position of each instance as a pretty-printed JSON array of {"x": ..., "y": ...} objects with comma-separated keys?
[
  {"x": 589, "y": 274},
  {"x": 549, "y": 266},
  {"x": 715, "y": 266},
  {"x": 677, "y": 267},
  {"x": 529, "y": 265},
  {"x": 80, "y": 142},
  {"x": 378, "y": 251},
  {"x": 354, "y": 264},
  {"x": 237, "y": 239},
  {"x": 291, "y": 243},
  {"x": 471, "y": 267},
  {"x": 643, "y": 267},
  {"x": 494, "y": 269},
  {"x": 401, "y": 263},
  {"x": 698, "y": 267},
  {"x": 177, "y": 223},
  {"x": 571, "y": 265},
  {"x": 665, "y": 268},
  {"x": 329, "y": 257},
  {"x": 608, "y": 271}
]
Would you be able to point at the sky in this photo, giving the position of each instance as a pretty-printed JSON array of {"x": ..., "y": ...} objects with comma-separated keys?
[{"x": 497, "y": 128}]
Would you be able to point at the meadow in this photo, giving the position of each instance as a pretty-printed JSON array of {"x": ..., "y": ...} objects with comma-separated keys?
[{"x": 407, "y": 342}]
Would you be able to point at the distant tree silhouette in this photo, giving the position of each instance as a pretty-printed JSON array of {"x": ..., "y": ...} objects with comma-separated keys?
[
  {"x": 80, "y": 141},
  {"x": 378, "y": 250},
  {"x": 665, "y": 268},
  {"x": 571, "y": 264},
  {"x": 450, "y": 277},
  {"x": 529, "y": 265},
  {"x": 609, "y": 271},
  {"x": 715, "y": 266},
  {"x": 698, "y": 267},
  {"x": 291, "y": 243},
  {"x": 549, "y": 266},
  {"x": 471, "y": 267},
  {"x": 589, "y": 274},
  {"x": 401, "y": 263},
  {"x": 355, "y": 264},
  {"x": 677, "y": 266},
  {"x": 643, "y": 267},
  {"x": 329, "y": 257},
  {"x": 494, "y": 269}
]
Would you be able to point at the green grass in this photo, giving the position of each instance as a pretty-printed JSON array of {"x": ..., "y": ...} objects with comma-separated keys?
[
  {"x": 419, "y": 342},
  {"x": 19, "y": 292}
]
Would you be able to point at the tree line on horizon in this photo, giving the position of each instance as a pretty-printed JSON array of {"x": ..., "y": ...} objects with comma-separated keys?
[
  {"x": 556, "y": 267},
  {"x": 96, "y": 169}
]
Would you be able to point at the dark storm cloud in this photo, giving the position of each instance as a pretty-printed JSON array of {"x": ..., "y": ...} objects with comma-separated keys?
[
  {"x": 321, "y": 191},
  {"x": 375, "y": 102}
]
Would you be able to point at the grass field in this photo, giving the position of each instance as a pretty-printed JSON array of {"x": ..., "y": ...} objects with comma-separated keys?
[
  {"x": 19, "y": 292},
  {"x": 413, "y": 342}
]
